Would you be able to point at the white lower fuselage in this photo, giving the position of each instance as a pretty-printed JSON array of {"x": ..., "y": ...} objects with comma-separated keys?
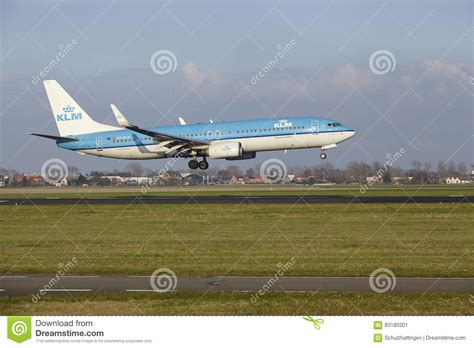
[{"x": 249, "y": 144}]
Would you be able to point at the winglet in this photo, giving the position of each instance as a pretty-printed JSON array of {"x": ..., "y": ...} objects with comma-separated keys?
[
  {"x": 122, "y": 121},
  {"x": 181, "y": 121}
]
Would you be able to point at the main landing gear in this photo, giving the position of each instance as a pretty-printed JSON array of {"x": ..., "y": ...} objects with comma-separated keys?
[
  {"x": 194, "y": 164},
  {"x": 323, "y": 155}
]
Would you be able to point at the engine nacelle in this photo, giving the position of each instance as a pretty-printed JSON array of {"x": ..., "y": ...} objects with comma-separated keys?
[
  {"x": 245, "y": 156},
  {"x": 225, "y": 149}
]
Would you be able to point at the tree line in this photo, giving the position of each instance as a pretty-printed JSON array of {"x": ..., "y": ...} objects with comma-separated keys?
[{"x": 353, "y": 172}]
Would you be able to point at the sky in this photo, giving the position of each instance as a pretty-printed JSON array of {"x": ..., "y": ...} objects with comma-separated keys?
[{"x": 399, "y": 72}]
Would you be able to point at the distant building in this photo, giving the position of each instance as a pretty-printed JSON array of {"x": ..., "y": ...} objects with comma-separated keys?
[
  {"x": 137, "y": 180},
  {"x": 402, "y": 179},
  {"x": 18, "y": 180},
  {"x": 172, "y": 177},
  {"x": 371, "y": 180},
  {"x": 254, "y": 180},
  {"x": 457, "y": 180},
  {"x": 453, "y": 180},
  {"x": 116, "y": 180},
  {"x": 237, "y": 180}
]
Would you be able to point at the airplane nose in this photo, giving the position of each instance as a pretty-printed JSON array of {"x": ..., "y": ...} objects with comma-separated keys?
[{"x": 350, "y": 134}]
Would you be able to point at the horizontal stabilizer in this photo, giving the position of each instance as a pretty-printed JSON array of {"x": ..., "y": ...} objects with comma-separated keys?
[{"x": 55, "y": 137}]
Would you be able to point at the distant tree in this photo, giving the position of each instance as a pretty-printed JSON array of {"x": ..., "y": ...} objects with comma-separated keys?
[
  {"x": 73, "y": 171},
  {"x": 148, "y": 172},
  {"x": 250, "y": 173},
  {"x": 397, "y": 171},
  {"x": 416, "y": 165},
  {"x": 135, "y": 169},
  {"x": 441, "y": 169},
  {"x": 234, "y": 171},
  {"x": 427, "y": 166},
  {"x": 223, "y": 175},
  {"x": 4, "y": 172},
  {"x": 462, "y": 168},
  {"x": 387, "y": 176},
  {"x": 81, "y": 180},
  {"x": 357, "y": 172},
  {"x": 376, "y": 166},
  {"x": 452, "y": 170},
  {"x": 307, "y": 173}
]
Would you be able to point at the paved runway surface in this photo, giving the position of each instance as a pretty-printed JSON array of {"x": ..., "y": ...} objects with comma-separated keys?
[
  {"x": 29, "y": 285},
  {"x": 236, "y": 200}
]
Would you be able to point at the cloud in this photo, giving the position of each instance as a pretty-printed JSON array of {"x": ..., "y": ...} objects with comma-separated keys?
[
  {"x": 350, "y": 75},
  {"x": 445, "y": 69},
  {"x": 194, "y": 75}
]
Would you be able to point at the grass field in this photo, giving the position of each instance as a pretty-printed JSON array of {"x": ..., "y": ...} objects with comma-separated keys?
[
  {"x": 239, "y": 190},
  {"x": 228, "y": 303},
  {"x": 232, "y": 239}
]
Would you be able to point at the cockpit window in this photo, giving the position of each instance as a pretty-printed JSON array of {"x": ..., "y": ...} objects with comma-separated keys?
[{"x": 335, "y": 124}]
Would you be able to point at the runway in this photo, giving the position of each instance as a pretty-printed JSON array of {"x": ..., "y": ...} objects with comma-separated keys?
[
  {"x": 237, "y": 200},
  {"x": 41, "y": 285}
]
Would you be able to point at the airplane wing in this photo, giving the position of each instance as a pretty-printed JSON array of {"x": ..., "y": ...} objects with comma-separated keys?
[
  {"x": 177, "y": 142},
  {"x": 55, "y": 137}
]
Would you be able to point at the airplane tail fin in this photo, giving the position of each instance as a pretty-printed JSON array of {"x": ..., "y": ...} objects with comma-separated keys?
[{"x": 70, "y": 118}]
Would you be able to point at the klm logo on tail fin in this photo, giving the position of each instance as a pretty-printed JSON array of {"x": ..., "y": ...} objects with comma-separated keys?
[{"x": 69, "y": 114}]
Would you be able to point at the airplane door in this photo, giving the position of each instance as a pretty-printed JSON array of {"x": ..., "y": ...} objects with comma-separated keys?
[
  {"x": 98, "y": 144},
  {"x": 217, "y": 134},
  {"x": 315, "y": 127},
  {"x": 209, "y": 135}
]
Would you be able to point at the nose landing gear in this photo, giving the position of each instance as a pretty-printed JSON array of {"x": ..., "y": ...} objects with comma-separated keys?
[{"x": 323, "y": 155}]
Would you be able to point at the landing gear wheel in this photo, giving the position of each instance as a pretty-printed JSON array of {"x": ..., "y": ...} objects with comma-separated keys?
[
  {"x": 203, "y": 165},
  {"x": 193, "y": 164},
  {"x": 323, "y": 155}
]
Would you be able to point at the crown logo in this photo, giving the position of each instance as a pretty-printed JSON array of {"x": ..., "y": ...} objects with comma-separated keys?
[{"x": 68, "y": 108}]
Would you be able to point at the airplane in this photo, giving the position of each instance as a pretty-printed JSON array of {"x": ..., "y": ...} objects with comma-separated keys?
[{"x": 230, "y": 140}]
